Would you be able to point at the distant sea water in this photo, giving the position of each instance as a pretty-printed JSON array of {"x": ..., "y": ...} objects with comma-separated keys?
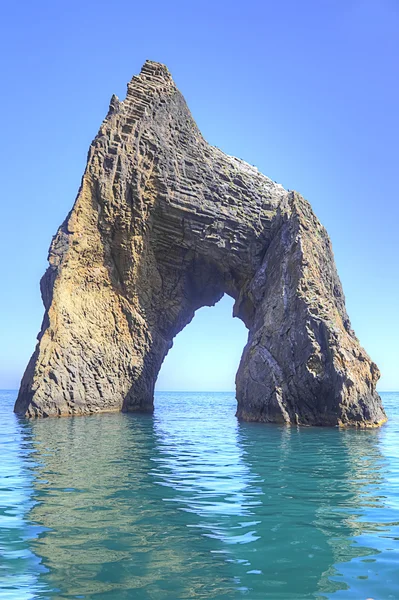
[{"x": 190, "y": 503}]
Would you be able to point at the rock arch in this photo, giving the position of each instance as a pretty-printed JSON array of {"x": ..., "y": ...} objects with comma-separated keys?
[{"x": 164, "y": 224}]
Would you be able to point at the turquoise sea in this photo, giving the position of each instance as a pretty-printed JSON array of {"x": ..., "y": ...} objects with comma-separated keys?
[{"x": 189, "y": 503}]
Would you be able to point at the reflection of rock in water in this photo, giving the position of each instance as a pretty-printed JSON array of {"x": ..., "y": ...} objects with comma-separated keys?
[
  {"x": 313, "y": 487},
  {"x": 188, "y": 506},
  {"x": 281, "y": 505},
  {"x": 108, "y": 530},
  {"x": 341, "y": 516}
]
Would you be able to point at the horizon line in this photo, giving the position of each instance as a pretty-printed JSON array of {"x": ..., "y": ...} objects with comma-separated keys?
[{"x": 202, "y": 391}]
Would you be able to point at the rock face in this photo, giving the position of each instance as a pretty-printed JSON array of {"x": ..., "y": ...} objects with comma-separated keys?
[{"x": 164, "y": 224}]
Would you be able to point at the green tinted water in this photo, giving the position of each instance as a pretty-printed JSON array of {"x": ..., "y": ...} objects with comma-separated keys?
[{"x": 189, "y": 503}]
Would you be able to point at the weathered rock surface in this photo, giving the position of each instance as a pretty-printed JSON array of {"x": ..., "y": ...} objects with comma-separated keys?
[{"x": 164, "y": 224}]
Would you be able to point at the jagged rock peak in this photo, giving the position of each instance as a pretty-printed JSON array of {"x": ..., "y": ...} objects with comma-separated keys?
[
  {"x": 163, "y": 224},
  {"x": 155, "y": 72},
  {"x": 152, "y": 75}
]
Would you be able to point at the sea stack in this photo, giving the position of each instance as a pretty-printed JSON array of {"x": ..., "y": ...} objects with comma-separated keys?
[{"x": 164, "y": 224}]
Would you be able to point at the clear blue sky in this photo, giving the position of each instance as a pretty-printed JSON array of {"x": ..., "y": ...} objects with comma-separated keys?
[{"x": 307, "y": 91}]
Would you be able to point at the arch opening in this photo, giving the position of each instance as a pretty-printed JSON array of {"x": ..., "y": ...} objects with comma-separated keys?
[{"x": 206, "y": 354}]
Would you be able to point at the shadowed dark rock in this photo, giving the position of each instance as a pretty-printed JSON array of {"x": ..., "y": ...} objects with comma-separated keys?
[{"x": 164, "y": 224}]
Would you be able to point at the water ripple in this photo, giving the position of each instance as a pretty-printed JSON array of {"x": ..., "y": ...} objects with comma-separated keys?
[{"x": 190, "y": 503}]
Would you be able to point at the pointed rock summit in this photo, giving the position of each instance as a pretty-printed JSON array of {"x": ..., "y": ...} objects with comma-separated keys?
[{"x": 164, "y": 224}]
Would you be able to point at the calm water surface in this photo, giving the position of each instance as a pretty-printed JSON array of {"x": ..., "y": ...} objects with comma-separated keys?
[{"x": 189, "y": 503}]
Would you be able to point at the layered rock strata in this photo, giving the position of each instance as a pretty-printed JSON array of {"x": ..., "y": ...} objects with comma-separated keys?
[{"x": 164, "y": 224}]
